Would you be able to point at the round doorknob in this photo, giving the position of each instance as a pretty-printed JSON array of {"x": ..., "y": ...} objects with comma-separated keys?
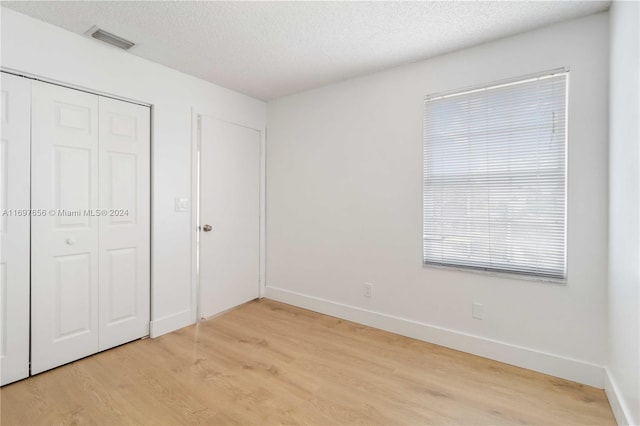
[
  {"x": 207, "y": 228},
  {"x": 71, "y": 241}
]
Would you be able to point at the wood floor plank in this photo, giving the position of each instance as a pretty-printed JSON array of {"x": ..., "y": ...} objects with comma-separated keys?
[{"x": 268, "y": 363}]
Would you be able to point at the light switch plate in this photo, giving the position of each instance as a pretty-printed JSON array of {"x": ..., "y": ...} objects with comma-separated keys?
[{"x": 182, "y": 204}]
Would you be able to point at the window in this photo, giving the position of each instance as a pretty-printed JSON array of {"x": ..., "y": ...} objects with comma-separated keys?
[{"x": 495, "y": 177}]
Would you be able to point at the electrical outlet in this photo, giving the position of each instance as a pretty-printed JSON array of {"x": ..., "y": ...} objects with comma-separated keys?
[
  {"x": 368, "y": 289},
  {"x": 477, "y": 311}
]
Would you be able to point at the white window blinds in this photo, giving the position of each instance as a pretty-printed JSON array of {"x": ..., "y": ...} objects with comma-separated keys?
[{"x": 495, "y": 178}]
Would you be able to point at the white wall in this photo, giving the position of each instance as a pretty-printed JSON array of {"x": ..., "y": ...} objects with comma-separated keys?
[
  {"x": 34, "y": 47},
  {"x": 344, "y": 185},
  {"x": 623, "y": 366}
]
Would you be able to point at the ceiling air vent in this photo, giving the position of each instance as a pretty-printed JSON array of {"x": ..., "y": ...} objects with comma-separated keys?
[{"x": 109, "y": 38}]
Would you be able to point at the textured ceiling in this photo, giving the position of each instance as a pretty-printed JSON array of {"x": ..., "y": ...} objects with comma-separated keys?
[{"x": 272, "y": 49}]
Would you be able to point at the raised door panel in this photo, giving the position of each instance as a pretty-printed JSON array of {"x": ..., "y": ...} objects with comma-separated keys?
[
  {"x": 72, "y": 296},
  {"x": 73, "y": 117},
  {"x": 15, "y": 101},
  {"x": 122, "y": 188},
  {"x": 64, "y": 255},
  {"x": 72, "y": 187},
  {"x": 125, "y": 228},
  {"x": 121, "y": 282}
]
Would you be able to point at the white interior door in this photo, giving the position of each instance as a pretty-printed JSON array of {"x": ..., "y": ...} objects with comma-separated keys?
[
  {"x": 230, "y": 204},
  {"x": 15, "y": 111},
  {"x": 64, "y": 242},
  {"x": 90, "y": 256},
  {"x": 124, "y": 146}
]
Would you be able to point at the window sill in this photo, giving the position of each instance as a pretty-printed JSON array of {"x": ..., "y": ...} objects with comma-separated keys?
[{"x": 515, "y": 276}]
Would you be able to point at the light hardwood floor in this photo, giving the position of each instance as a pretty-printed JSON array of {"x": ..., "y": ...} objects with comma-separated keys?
[{"x": 271, "y": 363}]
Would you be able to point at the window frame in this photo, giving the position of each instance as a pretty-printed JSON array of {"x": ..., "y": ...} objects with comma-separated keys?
[{"x": 505, "y": 273}]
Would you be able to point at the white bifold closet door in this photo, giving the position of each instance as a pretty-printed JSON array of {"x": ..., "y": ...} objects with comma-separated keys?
[
  {"x": 14, "y": 228},
  {"x": 124, "y": 233},
  {"x": 90, "y": 252}
]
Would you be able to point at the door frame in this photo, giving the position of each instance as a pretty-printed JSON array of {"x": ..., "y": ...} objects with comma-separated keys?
[{"x": 196, "y": 115}]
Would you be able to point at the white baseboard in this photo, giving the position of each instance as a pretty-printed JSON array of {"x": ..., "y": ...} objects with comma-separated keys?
[
  {"x": 555, "y": 365},
  {"x": 170, "y": 323},
  {"x": 618, "y": 406}
]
